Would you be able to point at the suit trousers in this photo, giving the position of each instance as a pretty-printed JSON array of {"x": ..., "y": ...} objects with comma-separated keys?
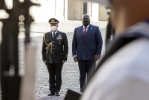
[
  {"x": 55, "y": 79},
  {"x": 84, "y": 67}
]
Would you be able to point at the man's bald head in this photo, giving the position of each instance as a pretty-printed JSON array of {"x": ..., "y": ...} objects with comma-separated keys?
[{"x": 86, "y": 16}]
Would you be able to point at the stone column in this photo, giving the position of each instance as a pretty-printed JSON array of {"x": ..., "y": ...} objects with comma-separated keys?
[
  {"x": 44, "y": 12},
  {"x": 102, "y": 13},
  {"x": 95, "y": 11},
  {"x": 75, "y": 9},
  {"x": 60, "y": 9},
  {"x": 66, "y": 10},
  {"x": 89, "y": 8}
]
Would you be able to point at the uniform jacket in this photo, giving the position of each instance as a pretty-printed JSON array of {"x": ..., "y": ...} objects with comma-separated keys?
[
  {"x": 85, "y": 47},
  {"x": 59, "y": 49}
]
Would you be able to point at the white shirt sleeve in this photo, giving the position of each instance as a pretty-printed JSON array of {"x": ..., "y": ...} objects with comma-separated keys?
[{"x": 74, "y": 55}]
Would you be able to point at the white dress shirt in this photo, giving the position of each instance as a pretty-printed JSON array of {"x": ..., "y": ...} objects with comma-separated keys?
[
  {"x": 86, "y": 28},
  {"x": 53, "y": 33},
  {"x": 125, "y": 75}
]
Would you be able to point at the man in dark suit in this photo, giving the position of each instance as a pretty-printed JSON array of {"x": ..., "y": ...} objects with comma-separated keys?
[
  {"x": 86, "y": 47},
  {"x": 55, "y": 53}
]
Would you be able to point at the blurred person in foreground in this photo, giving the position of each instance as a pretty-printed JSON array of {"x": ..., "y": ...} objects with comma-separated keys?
[
  {"x": 86, "y": 48},
  {"x": 110, "y": 33},
  {"x": 54, "y": 55},
  {"x": 123, "y": 73}
]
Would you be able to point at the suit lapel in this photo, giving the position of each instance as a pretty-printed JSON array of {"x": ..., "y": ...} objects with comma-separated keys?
[
  {"x": 81, "y": 30},
  {"x": 81, "y": 33},
  {"x": 49, "y": 35},
  {"x": 57, "y": 34},
  {"x": 88, "y": 33}
]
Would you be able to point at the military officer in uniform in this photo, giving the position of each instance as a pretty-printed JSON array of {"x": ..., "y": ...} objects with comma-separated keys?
[{"x": 54, "y": 55}]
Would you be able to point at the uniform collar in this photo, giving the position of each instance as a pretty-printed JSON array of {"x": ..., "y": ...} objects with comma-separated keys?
[{"x": 55, "y": 32}]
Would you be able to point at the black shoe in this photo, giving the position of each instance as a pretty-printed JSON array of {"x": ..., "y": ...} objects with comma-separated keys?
[
  {"x": 51, "y": 94},
  {"x": 57, "y": 93}
]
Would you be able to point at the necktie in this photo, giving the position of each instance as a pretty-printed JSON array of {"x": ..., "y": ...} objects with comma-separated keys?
[
  {"x": 54, "y": 34},
  {"x": 85, "y": 31}
]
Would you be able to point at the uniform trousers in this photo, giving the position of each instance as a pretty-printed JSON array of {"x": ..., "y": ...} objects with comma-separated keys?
[{"x": 55, "y": 79}]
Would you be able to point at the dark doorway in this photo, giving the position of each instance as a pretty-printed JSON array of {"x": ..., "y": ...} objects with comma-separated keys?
[{"x": 84, "y": 7}]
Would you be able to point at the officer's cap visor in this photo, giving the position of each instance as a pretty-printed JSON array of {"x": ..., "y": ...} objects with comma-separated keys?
[{"x": 53, "y": 22}]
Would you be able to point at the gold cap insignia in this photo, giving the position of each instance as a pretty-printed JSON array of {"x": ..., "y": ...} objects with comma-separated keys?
[{"x": 52, "y": 20}]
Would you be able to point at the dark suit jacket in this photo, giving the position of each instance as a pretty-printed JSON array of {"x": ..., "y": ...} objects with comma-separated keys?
[
  {"x": 59, "y": 49},
  {"x": 86, "y": 47}
]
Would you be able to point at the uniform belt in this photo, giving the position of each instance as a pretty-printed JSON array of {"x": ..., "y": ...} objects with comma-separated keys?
[{"x": 49, "y": 45}]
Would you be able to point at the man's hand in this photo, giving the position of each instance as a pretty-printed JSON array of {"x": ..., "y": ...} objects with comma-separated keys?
[
  {"x": 63, "y": 61},
  {"x": 44, "y": 62},
  {"x": 75, "y": 58},
  {"x": 96, "y": 57}
]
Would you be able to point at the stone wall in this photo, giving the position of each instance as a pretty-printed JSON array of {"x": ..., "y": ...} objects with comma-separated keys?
[{"x": 67, "y": 10}]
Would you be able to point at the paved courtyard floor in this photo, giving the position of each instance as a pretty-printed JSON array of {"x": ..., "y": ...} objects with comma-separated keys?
[{"x": 70, "y": 71}]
